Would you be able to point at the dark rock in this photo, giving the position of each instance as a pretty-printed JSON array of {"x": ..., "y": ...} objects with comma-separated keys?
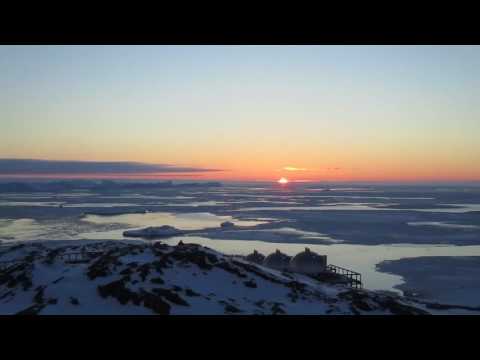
[
  {"x": 190, "y": 292},
  {"x": 126, "y": 271},
  {"x": 260, "y": 303},
  {"x": 358, "y": 301},
  {"x": 212, "y": 258},
  {"x": 330, "y": 278},
  {"x": 58, "y": 280},
  {"x": 156, "y": 303},
  {"x": 117, "y": 290},
  {"x": 362, "y": 305},
  {"x": 101, "y": 267},
  {"x": 25, "y": 280},
  {"x": 293, "y": 296},
  {"x": 74, "y": 301},
  {"x": 157, "y": 280},
  {"x": 186, "y": 255},
  {"x": 162, "y": 263},
  {"x": 253, "y": 269},
  {"x": 296, "y": 286},
  {"x": 276, "y": 309},
  {"x": 250, "y": 283},
  {"x": 38, "y": 298},
  {"x": 224, "y": 265},
  {"x": 8, "y": 293},
  {"x": 229, "y": 308},
  {"x": 11, "y": 279},
  {"x": 437, "y": 306},
  {"x": 170, "y": 296},
  {"x": 232, "y": 309},
  {"x": 159, "y": 248},
  {"x": 31, "y": 310},
  {"x": 52, "y": 255},
  {"x": 144, "y": 271},
  {"x": 398, "y": 308}
]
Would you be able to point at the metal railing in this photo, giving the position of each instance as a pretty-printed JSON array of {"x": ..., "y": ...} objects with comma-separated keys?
[{"x": 354, "y": 278}]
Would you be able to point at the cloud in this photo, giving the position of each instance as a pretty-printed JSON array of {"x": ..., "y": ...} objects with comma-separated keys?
[
  {"x": 291, "y": 168},
  {"x": 33, "y": 166}
]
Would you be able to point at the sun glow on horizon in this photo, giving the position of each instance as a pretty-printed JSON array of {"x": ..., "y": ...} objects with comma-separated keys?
[
  {"x": 283, "y": 181},
  {"x": 419, "y": 102}
]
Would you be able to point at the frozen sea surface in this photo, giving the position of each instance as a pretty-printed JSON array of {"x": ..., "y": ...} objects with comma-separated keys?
[
  {"x": 357, "y": 227},
  {"x": 453, "y": 280}
]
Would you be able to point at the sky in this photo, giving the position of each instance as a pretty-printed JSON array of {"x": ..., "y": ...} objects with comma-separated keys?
[{"x": 319, "y": 113}]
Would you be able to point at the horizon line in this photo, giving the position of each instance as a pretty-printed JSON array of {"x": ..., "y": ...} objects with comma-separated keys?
[{"x": 183, "y": 177}]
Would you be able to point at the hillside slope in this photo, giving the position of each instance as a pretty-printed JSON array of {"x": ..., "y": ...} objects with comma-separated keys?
[{"x": 139, "y": 278}]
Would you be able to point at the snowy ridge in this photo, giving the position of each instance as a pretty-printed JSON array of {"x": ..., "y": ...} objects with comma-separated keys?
[{"x": 139, "y": 278}]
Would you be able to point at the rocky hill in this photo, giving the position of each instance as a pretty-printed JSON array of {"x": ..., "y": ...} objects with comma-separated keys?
[{"x": 135, "y": 277}]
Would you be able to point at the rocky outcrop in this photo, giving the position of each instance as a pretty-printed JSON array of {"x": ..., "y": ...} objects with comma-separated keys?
[{"x": 131, "y": 278}]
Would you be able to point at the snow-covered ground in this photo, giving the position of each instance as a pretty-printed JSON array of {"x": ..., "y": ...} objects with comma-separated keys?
[{"x": 135, "y": 277}]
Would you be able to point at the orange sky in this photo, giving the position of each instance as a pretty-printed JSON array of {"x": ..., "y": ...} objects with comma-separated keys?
[{"x": 340, "y": 113}]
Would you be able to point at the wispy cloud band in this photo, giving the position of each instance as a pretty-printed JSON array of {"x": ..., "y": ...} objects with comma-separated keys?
[
  {"x": 35, "y": 166},
  {"x": 292, "y": 168}
]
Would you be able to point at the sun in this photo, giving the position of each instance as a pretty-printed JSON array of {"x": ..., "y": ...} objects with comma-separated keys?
[{"x": 283, "y": 181}]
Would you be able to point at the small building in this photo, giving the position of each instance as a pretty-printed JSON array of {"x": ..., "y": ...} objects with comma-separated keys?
[
  {"x": 308, "y": 262},
  {"x": 277, "y": 261},
  {"x": 256, "y": 257}
]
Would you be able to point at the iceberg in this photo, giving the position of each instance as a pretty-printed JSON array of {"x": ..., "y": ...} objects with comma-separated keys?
[
  {"x": 227, "y": 225},
  {"x": 154, "y": 231}
]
